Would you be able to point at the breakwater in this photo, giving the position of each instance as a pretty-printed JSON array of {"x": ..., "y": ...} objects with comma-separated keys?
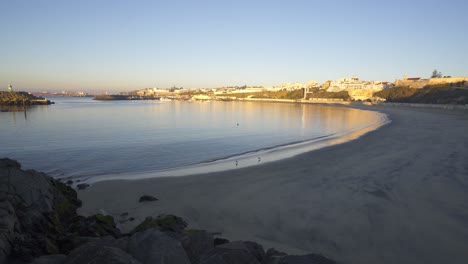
[{"x": 22, "y": 98}]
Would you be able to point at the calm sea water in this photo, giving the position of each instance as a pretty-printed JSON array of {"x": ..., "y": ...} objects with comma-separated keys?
[{"x": 83, "y": 137}]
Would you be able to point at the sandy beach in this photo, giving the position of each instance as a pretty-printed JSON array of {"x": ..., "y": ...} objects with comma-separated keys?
[{"x": 395, "y": 195}]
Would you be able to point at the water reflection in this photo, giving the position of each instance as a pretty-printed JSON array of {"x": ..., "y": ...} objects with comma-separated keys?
[
  {"x": 88, "y": 137},
  {"x": 13, "y": 111}
]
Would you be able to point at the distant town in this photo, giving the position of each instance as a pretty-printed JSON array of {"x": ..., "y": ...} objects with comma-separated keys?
[{"x": 343, "y": 89}]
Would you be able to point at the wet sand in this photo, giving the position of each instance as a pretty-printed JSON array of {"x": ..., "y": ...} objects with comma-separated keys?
[{"x": 396, "y": 195}]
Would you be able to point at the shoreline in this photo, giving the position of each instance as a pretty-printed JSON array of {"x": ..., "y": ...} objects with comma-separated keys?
[
  {"x": 396, "y": 195},
  {"x": 248, "y": 159}
]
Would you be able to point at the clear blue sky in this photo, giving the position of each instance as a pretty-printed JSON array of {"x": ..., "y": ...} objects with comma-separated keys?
[{"x": 111, "y": 45}]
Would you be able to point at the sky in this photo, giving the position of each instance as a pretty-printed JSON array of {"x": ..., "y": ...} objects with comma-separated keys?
[{"x": 114, "y": 45}]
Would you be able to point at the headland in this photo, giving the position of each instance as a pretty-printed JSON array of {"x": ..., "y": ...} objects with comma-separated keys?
[{"x": 21, "y": 99}]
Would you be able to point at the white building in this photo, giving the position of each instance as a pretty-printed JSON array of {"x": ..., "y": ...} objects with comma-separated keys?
[
  {"x": 292, "y": 86},
  {"x": 354, "y": 83}
]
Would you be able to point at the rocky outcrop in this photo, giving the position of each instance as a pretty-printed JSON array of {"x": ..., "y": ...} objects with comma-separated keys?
[
  {"x": 92, "y": 253},
  {"x": 163, "y": 223},
  {"x": 39, "y": 224},
  {"x": 197, "y": 243},
  {"x": 147, "y": 198},
  {"x": 236, "y": 252},
  {"x": 153, "y": 246},
  {"x": 82, "y": 186},
  {"x": 94, "y": 226},
  {"x": 34, "y": 210},
  {"x": 50, "y": 259},
  {"x": 21, "y": 98}
]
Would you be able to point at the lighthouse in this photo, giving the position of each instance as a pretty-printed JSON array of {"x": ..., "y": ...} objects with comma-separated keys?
[{"x": 10, "y": 88}]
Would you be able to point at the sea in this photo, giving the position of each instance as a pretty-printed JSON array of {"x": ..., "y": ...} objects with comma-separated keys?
[{"x": 83, "y": 138}]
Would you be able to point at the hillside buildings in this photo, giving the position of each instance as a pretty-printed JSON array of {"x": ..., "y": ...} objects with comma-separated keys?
[
  {"x": 290, "y": 86},
  {"x": 354, "y": 83},
  {"x": 158, "y": 91}
]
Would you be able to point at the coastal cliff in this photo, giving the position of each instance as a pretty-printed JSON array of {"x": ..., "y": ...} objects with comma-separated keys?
[
  {"x": 39, "y": 224},
  {"x": 21, "y": 98}
]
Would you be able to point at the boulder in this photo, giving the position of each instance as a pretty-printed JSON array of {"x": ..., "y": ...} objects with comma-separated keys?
[
  {"x": 8, "y": 220},
  {"x": 9, "y": 163},
  {"x": 251, "y": 248},
  {"x": 155, "y": 247},
  {"x": 147, "y": 198},
  {"x": 228, "y": 256},
  {"x": 273, "y": 256},
  {"x": 219, "y": 241},
  {"x": 196, "y": 243},
  {"x": 34, "y": 209},
  {"x": 73, "y": 242},
  {"x": 110, "y": 241},
  {"x": 50, "y": 259},
  {"x": 65, "y": 201},
  {"x": 82, "y": 186},
  {"x": 92, "y": 253},
  {"x": 163, "y": 223},
  {"x": 94, "y": 226},
  {"x": 306, "y": 259}
]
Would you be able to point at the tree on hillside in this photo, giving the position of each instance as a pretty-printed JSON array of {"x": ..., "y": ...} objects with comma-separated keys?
[{"x": 436, "y": 74}]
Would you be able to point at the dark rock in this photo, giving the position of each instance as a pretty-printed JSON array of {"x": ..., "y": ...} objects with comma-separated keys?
[
  {"x": 9, "y": 163},
  {"x": 76, "y": 241},
  {"x": 69, "y": 182},
  {"x": 26, "y": 247},
  {"x": 228, "y": 256},
  {"x": 273, "y": 256},
  {"x": 91, "y": 253},
  {"x": 195, "y": 242},
  {"x": 236, "y": 252},
  {"x": 153, "y": 246},
  {"x": 65, "y": 205},
  {"x": 252, "y": 248},
  {"x": 94, "y": 226},
  {"x": 147, "y": 198},
  {"x": 50, "y": 259},
  {"x": 82, "y": 186},
  {"x": 38, "y": 217},
  {"x": 219, "y": 241},
  {"x": 124, "y": 214},
  {"x": 21, "y": 99},
  {"x": 72, "y": 241},
  {"x": 109, "y": 241},
  {"x": 163, "y": 223},
  {"x": 200, "y": 243},
  {"x": 306, "y": 259},
  {"x": 34, "y": 209}
]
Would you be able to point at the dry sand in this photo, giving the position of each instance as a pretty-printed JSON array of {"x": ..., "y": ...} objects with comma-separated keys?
[{"x": 396, "y": 195}]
